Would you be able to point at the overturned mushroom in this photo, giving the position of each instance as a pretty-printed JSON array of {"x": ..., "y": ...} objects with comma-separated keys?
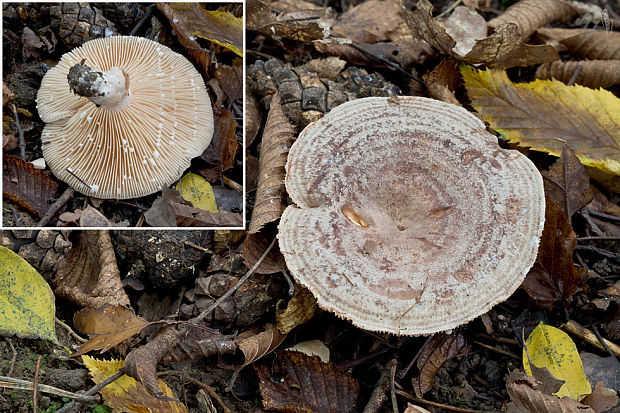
[
  {"x": 139, "y": 114},
  {"x": 409, "y": 217}
]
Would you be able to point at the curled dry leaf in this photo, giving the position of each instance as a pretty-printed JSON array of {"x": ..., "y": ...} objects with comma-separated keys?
[
  {"x": 545, "y": 115},
  {"x": 90, "y": 217},
  {"x": 26, "y": 186},
  {"x": 437, "y": 349},
  {"x": 256, "y": 346},
  {"x": 443, "y": 81},
  {"x": 554, "y": 277},
  {"x": 529, "y": 15},
  {"x": 252, "y": 116},
  {"x": 415, "y": 409},
  {"x": 502, "y": 49},
  {"x": 89, "y": 276},
  {"x": 223, "y": 148},
  {"x": 299, "y": 310},
  {"x": 590, "y": 73},
  {"x": 199, "y": 341},
  {"x": 253, "y": 248},
  {"x": 277, "y": 139},
  {"x": 261, "y": 18},
  {"x": 363, "y": 24},
  {"x": 306, "y": 385},
  {"x": 585, "y": 43},
  {"x": 107, "y": 326}
]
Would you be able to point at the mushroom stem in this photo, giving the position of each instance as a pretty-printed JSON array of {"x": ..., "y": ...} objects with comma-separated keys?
[{"x": 102, "y": 88}]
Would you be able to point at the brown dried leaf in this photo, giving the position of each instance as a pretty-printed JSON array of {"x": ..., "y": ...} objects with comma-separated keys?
[
  {"x": 252, "y": 116},
  {"x": 306, "y": 384},
  {"x": 196, "y": 342},
  {"x": 90, "y": 277},
  {"x": 502, "y": 49},
  {"x": 32, "y": 46},
  {"x": 585, "y": 43},
  {"x": 252, "y": 249},
  {"x": 7, "y": 94},
  {"x": 223, "y": 148},
  {"x": 592, "y": 73},
  {"x": 107, "y": 326},
  {"x": 525, "y": 396},
  {"x": 299, "y": 310},
  {"x": 443, "y": 81},
  {"x": 363, "y": 24},
  {"x": 277, "y": 140},
  {"x": 567, "y": 183},
  {"x": 26, "y": 186},
  {"x": 188, "y": 216},
  {"x": 601, "y": 399},
  {"x": 415, "y": 409},
  {"x": 91, "y": 217},
  {"x": 259, "y": 345},
  {"x": 437, "y": 349},
  {"x": 554, "y": 278},
  {"x": 307, "y": 28},
  {"x": 224, "y": 240},
  {"x": 230, "y": 80},
  {"x": 529, "y": 15}
]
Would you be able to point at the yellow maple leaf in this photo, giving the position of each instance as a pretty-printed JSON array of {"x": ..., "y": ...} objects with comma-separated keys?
[
  {"x": 126, "y": 394},
  {"x": 545, "y": 114}
]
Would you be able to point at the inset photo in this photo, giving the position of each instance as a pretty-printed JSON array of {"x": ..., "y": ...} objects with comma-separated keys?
[{"x": 123, "y": 115}]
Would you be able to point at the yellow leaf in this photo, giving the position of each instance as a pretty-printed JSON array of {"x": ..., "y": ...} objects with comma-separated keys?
[
  {"x": 198, "y": 191},
  {"x": 225, "y": 22},
  {"x": 126, "y": 394},
  {"x": 552, "y": 348},
  {"x": 546, "y": 113},
  {"x": 26, "y": 300}
]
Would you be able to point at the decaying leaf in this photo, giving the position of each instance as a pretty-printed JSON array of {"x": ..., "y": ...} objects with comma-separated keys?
[
  {"x": 601, "y": 399},
  {"x": 529, "y": 15},
  {"x": 438, "y": 349},
  {"x": 256, "y": 346},
  {"x": 295, "y": 382},
  {"x": 314, "y": 25},
  {"x": 230, "y": 79},
  {"x": 552, "y": 348},
  {"x": 361, "y": 23},
  {"x": 252, "y": 117},
  {"x": 223, "y": 148},
  {"x": 415, "y": 409},
  {"x": 126, "y": 394},
  {"x": 567, "y": 183},
  {"x": 443, "y": 81},
  {"x": 90, "y": 277},
  {"x": 199, "y": 341},
  {"x": 26, "y": 300},
  {"x": 590, "y": 73},
  {"x": 106, "y": 326},
  {"x": 546, "y": 114},
  {"x": 195, "y": 189},
  {"x": 299, "y": 310},
  {"x": 554, "y": 278},
  {"x": 224, "y": 240},
  {"x": 252, "y": 249},
  {"x": 312, "y": 348},
  {"x": 526, "y": 398},
  {"x": 277, "y": 139},
  {"x": 88, "y": 217},
  {"x": 26, "y": 186},
  {"x": 594, "y": 44},
  {"x": 190, "y": 20},
  {"x": 502, "y": 49}
]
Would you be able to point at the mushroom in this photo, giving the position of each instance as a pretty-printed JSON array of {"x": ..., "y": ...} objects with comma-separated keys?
[
  {"x": 141, "y": 112},
  {"x": 409, "y": 217}
]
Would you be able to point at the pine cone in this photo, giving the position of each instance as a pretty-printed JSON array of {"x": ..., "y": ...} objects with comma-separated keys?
[{"x": 79, "y": 22}]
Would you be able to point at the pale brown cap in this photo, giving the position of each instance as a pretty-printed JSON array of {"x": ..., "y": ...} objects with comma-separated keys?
[
  {"x": 410, "y": 219},
  {"x": 138, "y": 145}
]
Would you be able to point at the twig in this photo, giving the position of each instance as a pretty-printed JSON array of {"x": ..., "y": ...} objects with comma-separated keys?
[
  {"x": 147, "y": 14},
  {"x": 392, "y": 388},
  {"x": 231, "y": 184},
  {"x": 12, "y": 383},
  {"x": 503, "y": 340},
  {"x": 208, "y": 388},
  {"x": 36, "y": 384},
  {"x": 70, "y": 331},
  {"x": 55, "y": 207},
  {"x": 404, "y": 371},
  {"x": 449, "y": 9},
  {"x": 234, "y": 288},
  {"x": 599, "y": 251},
  {"x": 598, "y": 239},
  {"x": 575, "y": 74},
  {"x": 22, "y": 141},
  {"x": 497, "y": 350},
  {"x": 13, "y": 358},
  {"x": 291, "y": 285},
  {"x": 585, "y": 213},
  {"x": 604, "y": 216},
  {"x": 589, "y": 337},
  {"x": 198, "y": 247},
  {"x": 435, "y": 404},
  {"x": 602, "y": 341},
  {"x": 379, "y": 394},
  {"x": 71, "y": 407}
]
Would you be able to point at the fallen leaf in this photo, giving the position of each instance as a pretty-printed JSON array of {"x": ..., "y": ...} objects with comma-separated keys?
[
  {"x": 546, "y": 114},
  {"x": 228, "y": 199},
  {"x": 277, "y": 139},
  {"x": 187, "y": 216},
  {"x": 299, "y": 310},
  {"x": 7, "y": 94},
  {"x": 567, "y": 183},
  {"x": 26, "y": 300},
  {"x": 106, "y": 326},
  {"x": 252, "y": 116},
  {"x": 590, "y": 73},
  {"x": 261, "y": 18},
  {"x": 465, "y": 26},
  {"x": 32, "y": 46},
  {"x": 437, "y": 349},
  {"x": 415, "y": 409},
  {"x": 443, "y": 81},
  {"x": 530, "y": 15},
  {"x": 223, "y": 148},
  {"x": 91, "y": 217},
  {"x": 526, "y": 398},
  {"x": 256, "y": 346},
  {"x": 362, "y": 24},
  {"x": 295, "y": 382},
  {"x": 195, "y": 189},
  {"x": 553, "y": 277},
  {"x": 126, "y": 394},
  {"x": 230, "y": 79},
  {"x": 224, "y": 240},
  {"x": 26, "y": 186},
  {"x": 593, "y": 44},
  {"x": 601, "y": 399},
  {"x": 312, "y": 348},
  {"x": 89, "y": 276},
  {"x": 605, "y": 369},
  {"x": 552, "y": 348},
  {"x": 199, "y": 341},
  {"x": 252, "y": 249},
  {"x": 502, "y": 49}
]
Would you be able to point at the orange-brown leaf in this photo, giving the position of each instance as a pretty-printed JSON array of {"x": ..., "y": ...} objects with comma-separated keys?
[
  {"x": 26, "y": 186},
  {"x": 443, "y": 81},
  {"x": 299, "y": 310},
  {"x": 261, "y": 344},
  {"x": 590, "y": 73}
]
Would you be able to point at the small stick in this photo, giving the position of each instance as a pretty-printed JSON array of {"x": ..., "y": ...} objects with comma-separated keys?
[
  {"x": 503, "y": 340},
  {"x": 598, "y": 239},
  {"x": 234, "y": 288},
  {"x": 70, "y": 331},
  {"x": 435, "y": 404},
  {"x": 71, "y": 407},
  {"x": 392, "y": 388},
  {"x": 599, "y": 251},
  {"x": 589, "y": 337},
  {"x": 449, "y": 9},
  {"x": 291, "y": 285},
  {"x": 230, "y": 183},
  {"x": 198, "y": 247},
  {"x": 575, "y": 74},
  {"x": 602, "y": 341},
  {"x": 497, "y": 350},
  {"x": 55, "y": 207},
  {"x": 604, "y": 216},
  {"x": 379, "y": 393},
  {"x": 13, "y": 358},
  {"x": 22, "y": 141},
  {"x": 36, "y": 384},
  {"x": 13, "y": 383},
  {"x": 208, "y": 388},
  {"x": 147, "y": 14}
]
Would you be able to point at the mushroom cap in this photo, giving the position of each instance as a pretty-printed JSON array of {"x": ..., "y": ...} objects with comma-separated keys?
[
  {"x": 134, "y": 149},
  {"x": 409, "y": 217}
]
